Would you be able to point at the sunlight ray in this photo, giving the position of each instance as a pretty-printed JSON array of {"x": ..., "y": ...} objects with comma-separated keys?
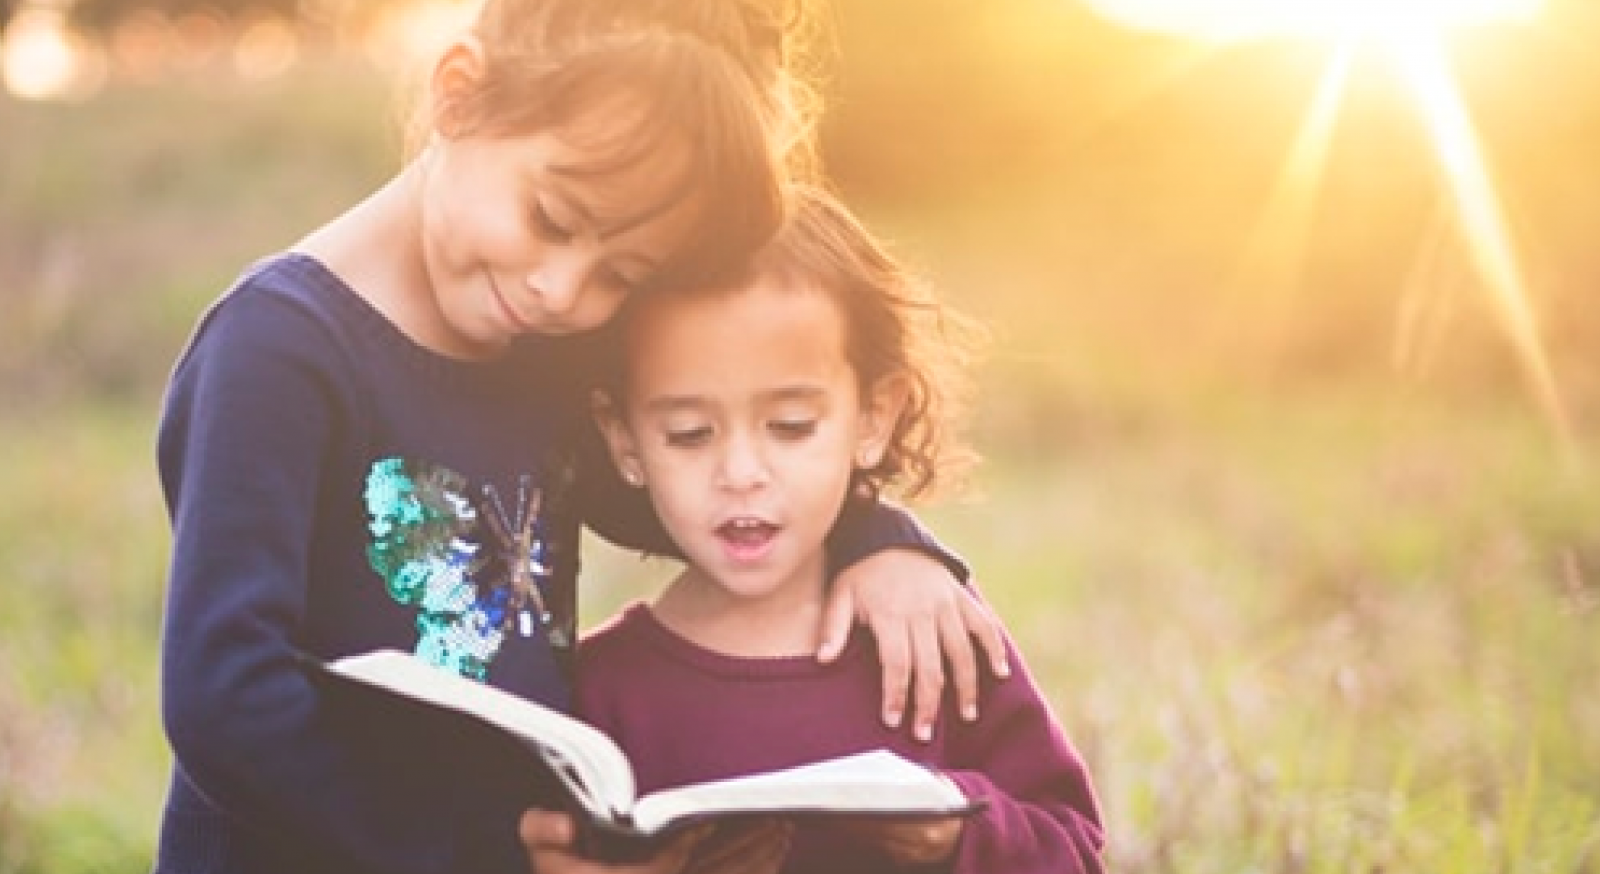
[
  {"x": 1414, "y": 33},
  {"x": 1278, "y": 243},
  {"x": 1426, "y": 69},
  {"x": 1426, "y": 308}
]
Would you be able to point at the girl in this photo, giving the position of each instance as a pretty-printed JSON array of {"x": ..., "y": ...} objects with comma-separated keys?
[
  {"x": 838, "y": 392},
  {"x": 358, "y": 451}
]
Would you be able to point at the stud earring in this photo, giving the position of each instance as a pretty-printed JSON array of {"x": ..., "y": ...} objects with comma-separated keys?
[{"x": 632, "y": 477}]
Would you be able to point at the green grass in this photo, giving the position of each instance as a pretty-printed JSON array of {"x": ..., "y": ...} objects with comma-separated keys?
[
  {"x": 1300, "y": 616},
  {"x": 1277, "y": 654},
  {"x": 1368, "y": 656},
  {"x": 83, "y": 546}
]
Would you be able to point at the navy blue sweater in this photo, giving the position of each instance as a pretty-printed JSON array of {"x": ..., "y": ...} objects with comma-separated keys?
[{"x": 335, "y": 488}]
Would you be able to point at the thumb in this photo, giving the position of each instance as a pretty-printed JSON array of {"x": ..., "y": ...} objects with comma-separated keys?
[
  {"x": 545, "y": 828},
  {"x": 838, "y": 615}
]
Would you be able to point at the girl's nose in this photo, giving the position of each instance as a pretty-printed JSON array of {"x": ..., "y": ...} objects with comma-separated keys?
[
  {"x": 742, "y": 466},
  {"x": 558, "y": 284}
]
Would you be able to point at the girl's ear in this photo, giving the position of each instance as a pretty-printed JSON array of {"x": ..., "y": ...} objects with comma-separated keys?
[
  {"x": 456, "y": 75},
  {"x": 881, "y": 408},
  {"x": 619, "y": 438}
]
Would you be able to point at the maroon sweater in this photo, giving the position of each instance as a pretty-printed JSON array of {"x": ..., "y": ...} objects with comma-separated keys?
[{"x": 684, "y": 714}]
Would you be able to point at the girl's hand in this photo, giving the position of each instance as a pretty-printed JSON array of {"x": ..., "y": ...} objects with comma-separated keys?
[
  {"x": 922, "y": 617},
  {"x": 751, "y": 847},
  {"x": 548, "y": 837},
  {"x": 910, "y": 841}
]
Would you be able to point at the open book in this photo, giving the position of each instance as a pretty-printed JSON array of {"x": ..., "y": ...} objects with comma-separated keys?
[{"x": 599, "y": 780}]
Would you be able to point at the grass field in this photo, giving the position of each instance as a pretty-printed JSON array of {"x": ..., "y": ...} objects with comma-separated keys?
[{"x": 1309, "y": 620}]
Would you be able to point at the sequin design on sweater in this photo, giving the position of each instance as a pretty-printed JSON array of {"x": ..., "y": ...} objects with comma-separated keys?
[{"x": 476, "y": 568}]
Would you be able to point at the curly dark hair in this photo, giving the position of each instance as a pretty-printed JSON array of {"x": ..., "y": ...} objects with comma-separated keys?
[{"x": 895, "y": 327}]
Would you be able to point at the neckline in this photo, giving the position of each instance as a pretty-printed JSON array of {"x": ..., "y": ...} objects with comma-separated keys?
[
  {"x": 371, "y": 322},
  {"x": 674, "y": 645}
]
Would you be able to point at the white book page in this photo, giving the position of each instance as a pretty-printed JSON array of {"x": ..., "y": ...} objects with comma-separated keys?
[
  {"x": 596, "y": 770},
  {"x": 876, "y": 781}
]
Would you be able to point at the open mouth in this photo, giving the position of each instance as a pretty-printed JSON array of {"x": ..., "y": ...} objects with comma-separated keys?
[{"x": 747, "y": 539}]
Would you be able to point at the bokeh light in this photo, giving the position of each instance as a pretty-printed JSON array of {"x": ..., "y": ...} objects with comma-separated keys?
[
  {"x": 267, "y": 47},
  {"x": 402, "y": 35},
  {"x": 41, "y": 58}
]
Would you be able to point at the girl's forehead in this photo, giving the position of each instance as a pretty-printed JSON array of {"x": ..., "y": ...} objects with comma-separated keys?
[
  {"x": 763, "y": 305},
  {"x": 620, "y": 175},
  {"x": 757, "y": 342}
]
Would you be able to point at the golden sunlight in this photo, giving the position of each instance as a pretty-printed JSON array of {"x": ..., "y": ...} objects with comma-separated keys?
[
  {"x": 415, "y": 32},
  {"x": 1413, "y": 36},
  {"x": 1481, "y": 218},
  {"x": 1338, "y": 20}
]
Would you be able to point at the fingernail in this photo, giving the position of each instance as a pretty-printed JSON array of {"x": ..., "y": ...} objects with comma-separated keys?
[
  {"x": 970, "y": 712},
  {"x": 1003, "y": 670},
  {"x": 891, "y": 718},
  {"x": 925, "y": 732}
]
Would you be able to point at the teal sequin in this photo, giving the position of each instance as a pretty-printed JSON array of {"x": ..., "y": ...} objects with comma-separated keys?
[
  {"x": 471, "y": 579},
  {"x": 413, "y": 519}
]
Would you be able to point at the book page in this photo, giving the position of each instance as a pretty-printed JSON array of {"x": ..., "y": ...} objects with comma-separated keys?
[
  {"x": 873, "y": 782},
  {"x": 591, "y": 766}
]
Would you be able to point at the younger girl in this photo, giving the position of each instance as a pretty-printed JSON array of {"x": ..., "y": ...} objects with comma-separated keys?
[
  {"x": 358, "y": 452},
  {"x": 837, "y": 393}
]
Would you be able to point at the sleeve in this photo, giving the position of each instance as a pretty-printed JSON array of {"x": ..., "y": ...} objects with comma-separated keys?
[
  {"x": 245, "y": 434},
  {"x": 1041, "y": 813},
  {"x": 867, "y": 527}
]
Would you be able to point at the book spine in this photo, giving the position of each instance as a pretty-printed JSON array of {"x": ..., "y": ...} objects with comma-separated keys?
[{"x": 615, "y": 843}]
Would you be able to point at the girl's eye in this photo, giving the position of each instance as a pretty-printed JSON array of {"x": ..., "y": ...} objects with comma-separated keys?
[
  {"x": 548, "y": 227},
  {"x": 793, "y": 429},
  {"x": 621, "y": 281},
  {"x": 689, "y": 437}
]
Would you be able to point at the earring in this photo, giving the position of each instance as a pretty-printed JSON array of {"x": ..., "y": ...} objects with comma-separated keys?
[{"x": 632, "y": 477}]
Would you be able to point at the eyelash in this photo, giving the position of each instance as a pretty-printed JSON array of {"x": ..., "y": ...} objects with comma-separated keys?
[
  {"x": 548, "y": 227},
  {"x": 794, "y": 429},
  {"x": 783, "y": 430},
  {"x": 688, "y": 437},
  {"x": 623, "y": 283},
  {"x": 551, "y": 230}
]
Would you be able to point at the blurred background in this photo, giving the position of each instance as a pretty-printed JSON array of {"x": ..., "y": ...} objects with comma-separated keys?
[{"x": 1290, "y": 419}]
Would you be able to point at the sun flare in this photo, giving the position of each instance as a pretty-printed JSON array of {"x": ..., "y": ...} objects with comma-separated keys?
[
  {"x": 1413, "y": 35},
  {"x": 1338, "y": 20}
]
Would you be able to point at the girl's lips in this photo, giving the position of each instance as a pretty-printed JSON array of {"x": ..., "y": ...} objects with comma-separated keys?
[
  {"x": 745, "y": 540},
  {"x": 518, "y": 323}
]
